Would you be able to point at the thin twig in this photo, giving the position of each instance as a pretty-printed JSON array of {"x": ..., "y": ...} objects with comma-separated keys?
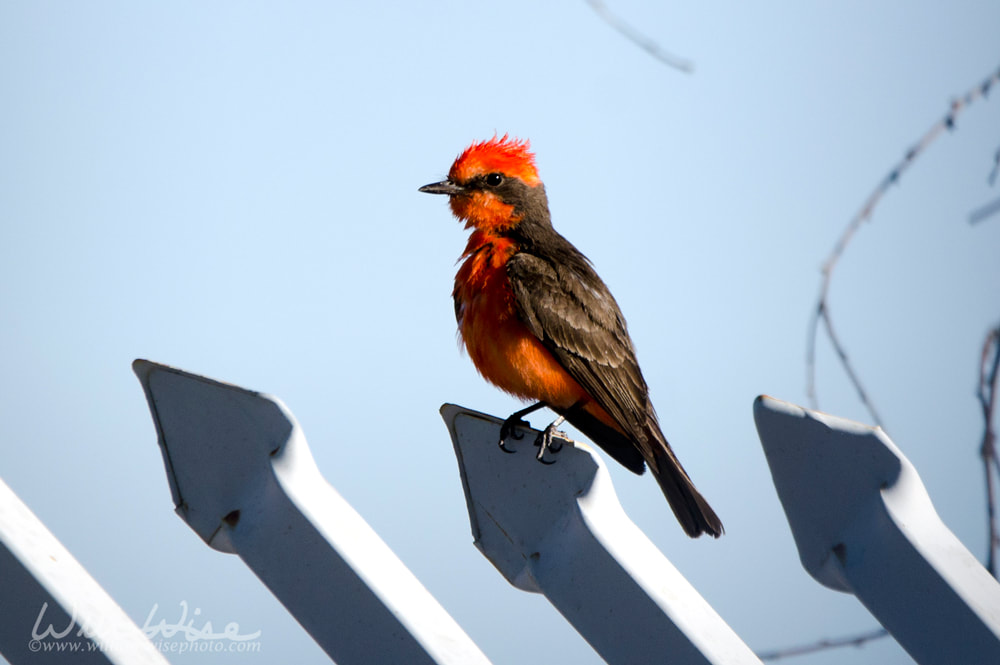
[
  {"x": 821, "y": 311},
  {"x": 641, "y": 40},
  {"x": 986, "y": 392},
  {"x": 821, "y": 645}
]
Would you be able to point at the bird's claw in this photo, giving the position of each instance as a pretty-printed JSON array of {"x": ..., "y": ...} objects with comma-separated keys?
[
  {"x": 509, "y": 430},
  {"x": 549, "y": 439}
]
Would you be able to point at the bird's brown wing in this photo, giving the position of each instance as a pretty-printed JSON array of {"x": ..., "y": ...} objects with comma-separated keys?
[
  {"x": 567, "y": 306},
  {"x": 570, "y": 309}
]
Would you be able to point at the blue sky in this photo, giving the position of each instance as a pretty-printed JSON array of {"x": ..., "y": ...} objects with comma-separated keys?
[{"x": 231, "y": 189}]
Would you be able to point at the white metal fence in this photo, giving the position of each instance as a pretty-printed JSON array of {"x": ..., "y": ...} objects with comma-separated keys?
[{"x": 243, "y": 478}]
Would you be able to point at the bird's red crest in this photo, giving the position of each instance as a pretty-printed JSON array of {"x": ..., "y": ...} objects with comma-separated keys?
[{"x": 512, "y": 157}]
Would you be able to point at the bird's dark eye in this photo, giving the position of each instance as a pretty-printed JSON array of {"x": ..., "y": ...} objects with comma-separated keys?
[{"x": 494, "y": 179}]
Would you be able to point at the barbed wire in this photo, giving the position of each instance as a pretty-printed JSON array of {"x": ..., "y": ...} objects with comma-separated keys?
[
  {"x": 641, "y": 40},
  {"x": 987, "y": 392},
  {"x": 981, "y": 213},
  {"x": 823, "y": 645},
  {"x": 821, "y": 312},
  {"x": 989, "y": 364}
]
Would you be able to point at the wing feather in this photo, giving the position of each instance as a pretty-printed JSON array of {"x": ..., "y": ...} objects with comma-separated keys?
[{"x": 567, "y": 306}]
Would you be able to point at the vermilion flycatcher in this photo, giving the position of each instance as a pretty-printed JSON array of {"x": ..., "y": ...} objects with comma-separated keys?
[{"x": 539, "y": 323}]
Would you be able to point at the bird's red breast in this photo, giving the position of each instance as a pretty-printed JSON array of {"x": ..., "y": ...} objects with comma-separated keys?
[{"x": 502, "y": 348}]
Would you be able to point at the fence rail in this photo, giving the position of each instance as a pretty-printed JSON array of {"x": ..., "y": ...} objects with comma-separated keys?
[
  {"x": 864, "y": 524},
  {"x": 243, "y": 478}
]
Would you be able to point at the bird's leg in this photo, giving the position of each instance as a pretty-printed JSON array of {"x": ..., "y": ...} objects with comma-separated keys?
[
  {"x": 516, "y": 419},
  {"x": 546, "y": 437}
]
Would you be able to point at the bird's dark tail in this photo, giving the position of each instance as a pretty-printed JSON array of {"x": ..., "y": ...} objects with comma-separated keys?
[{"x": 690, "y": 507}]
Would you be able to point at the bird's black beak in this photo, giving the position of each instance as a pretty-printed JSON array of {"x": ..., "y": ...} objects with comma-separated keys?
[{"x": 443, "y": 187}]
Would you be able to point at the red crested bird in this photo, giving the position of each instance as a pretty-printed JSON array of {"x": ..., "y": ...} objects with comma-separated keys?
[{"x": 539, "y": 323}]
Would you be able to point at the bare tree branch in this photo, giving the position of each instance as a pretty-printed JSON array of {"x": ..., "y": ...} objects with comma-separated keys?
[
  {"x": 986, "y": 392},
  {"x": 822, "y": 645},
  {"x": 641, "y": 40},
  {"x": 821, "y": 312}
]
